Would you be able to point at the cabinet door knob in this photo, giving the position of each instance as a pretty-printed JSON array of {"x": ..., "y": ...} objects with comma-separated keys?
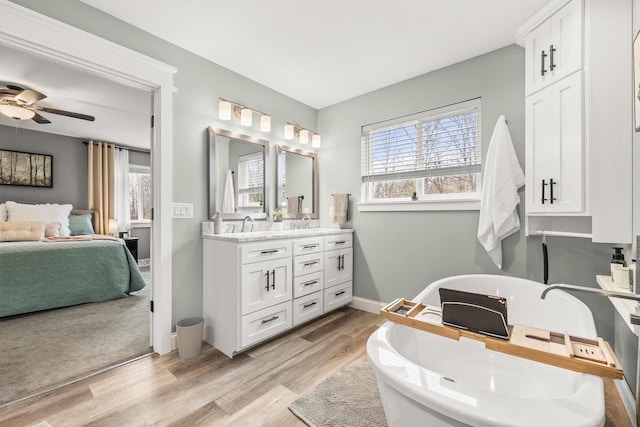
[
  {"x": 542, "y": 57},
  {"x": 551, "y": 64}
]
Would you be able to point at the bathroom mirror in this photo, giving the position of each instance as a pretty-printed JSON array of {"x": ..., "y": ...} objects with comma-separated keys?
[
  {"x": 297, "y": 182},
  {"x": 238, "y": 175}
]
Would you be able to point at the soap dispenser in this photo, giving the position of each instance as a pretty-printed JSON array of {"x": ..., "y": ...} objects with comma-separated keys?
[
  {"x": 217, "y": 224},
  {"x": 617, "y": 260}
]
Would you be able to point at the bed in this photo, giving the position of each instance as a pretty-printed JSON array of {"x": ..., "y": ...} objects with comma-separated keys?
[{"x": 36, "y": 275}]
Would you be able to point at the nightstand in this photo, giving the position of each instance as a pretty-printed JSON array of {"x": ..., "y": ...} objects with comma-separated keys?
[{"x": 132, "y": 245}]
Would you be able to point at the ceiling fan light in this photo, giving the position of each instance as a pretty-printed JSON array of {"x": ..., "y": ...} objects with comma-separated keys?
[
  {"x": 16, "y": 113},
  {"x": 224, "y": 110},
  {"x": 304, "y": 136},
  {"x": 265, "y": 123},
  {"x": 316, "y": 141},
  {"x": 288, "y": 131},
  {"x": 246, "y": 117}
]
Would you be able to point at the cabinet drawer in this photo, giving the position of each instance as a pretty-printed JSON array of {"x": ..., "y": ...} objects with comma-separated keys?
[
  {"x": 303, "y": 285},
  {"x": 307, "y": 246},
  {"x": 265, "y": 323},
  {"x": 306, "y": 264},
  {"x": 338, "y": 241},
  {"x": 307, "y": 307},
  {"x": 337, "y": 296},
  {"x": 272, "y": 249}
]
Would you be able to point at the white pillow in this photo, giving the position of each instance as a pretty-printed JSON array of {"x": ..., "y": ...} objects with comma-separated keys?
[
  {"x": 42, "y": 213},
  {"x": 3, "y": 212}
]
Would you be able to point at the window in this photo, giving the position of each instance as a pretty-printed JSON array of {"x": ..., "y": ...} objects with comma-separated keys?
[
  {"x": 435, "y": 153},
  {"x": 250, "y": 181},
  {"x": 140, "y": 193}
]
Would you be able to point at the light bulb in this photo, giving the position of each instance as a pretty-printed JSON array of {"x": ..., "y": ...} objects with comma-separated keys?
[
  {"x": 246, "y": 117},
  {"x": 265, "y": 123},
  {"x": 224, "y": 110},
  {"x": 288, "y": 131},
  {"x": 304, "y": 136},
  {"x": 316, "y": 141}
]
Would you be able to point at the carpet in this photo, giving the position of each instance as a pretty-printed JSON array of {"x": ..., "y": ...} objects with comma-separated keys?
[
  {"x": 39, "y": 351},
  {"x": 349, "y": 397}
]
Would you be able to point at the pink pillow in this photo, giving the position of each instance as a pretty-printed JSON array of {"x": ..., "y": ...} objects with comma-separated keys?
[{"x": 52, "y": 229}]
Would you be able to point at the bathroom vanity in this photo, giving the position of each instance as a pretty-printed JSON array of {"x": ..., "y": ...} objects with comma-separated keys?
[{"x": 258, "y": 285}]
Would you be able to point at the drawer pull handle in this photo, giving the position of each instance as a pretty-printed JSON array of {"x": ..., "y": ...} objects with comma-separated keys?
[
  {"x": 340, "y": 242},
  {"x": 308, "y": 264},
  {"x": 309, "y": 246},
  {"x": 310, "y": 304},
  {"x": 312, "y": 282},
  {"x": 269, "y": 251},
  {"x": 269, "y": 320},
  {"x": 340, "y": 293}
]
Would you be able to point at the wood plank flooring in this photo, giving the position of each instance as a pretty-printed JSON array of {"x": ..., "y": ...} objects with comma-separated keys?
[{"x": 252, "y": 389}]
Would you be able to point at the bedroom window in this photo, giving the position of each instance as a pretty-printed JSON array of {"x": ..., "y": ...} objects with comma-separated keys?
[
  {"x": 435, "y": 153},
  {"x": 140, "y": 193},
  {"x": 250, "y": 179}
]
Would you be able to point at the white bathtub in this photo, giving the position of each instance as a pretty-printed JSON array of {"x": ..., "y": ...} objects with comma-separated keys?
[{"x": 428, "y": 380}]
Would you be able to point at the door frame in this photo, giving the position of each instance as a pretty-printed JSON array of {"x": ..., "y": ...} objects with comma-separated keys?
[{"x": 26, "y": 30}]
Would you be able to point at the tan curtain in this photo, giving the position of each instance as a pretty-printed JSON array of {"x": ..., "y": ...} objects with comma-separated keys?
[{"x": 101, "y": 184}]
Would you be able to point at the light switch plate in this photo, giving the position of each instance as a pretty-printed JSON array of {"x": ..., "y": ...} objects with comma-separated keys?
[{"x": 182, "y": 210}]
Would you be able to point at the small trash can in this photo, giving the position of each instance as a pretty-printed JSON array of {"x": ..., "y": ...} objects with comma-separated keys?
[{"x": 189, "y": 336}]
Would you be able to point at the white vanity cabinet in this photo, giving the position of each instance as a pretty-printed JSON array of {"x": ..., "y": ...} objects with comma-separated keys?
[
  {"x": 578, "y": 119},
  {"x": 255, "y": 288}
]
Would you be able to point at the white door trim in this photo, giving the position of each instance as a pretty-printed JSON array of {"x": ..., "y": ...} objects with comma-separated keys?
[{"x": 29, "y": 31}]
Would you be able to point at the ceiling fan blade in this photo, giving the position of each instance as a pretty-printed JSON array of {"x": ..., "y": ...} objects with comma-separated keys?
[
  {"x": 66, "y": 113},
  {"x": 39, "y": 119},
  {"x": 28, "y": 97},
  {"x": 14, "y": 87}
]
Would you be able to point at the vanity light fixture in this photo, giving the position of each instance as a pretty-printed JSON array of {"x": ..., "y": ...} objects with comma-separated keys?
[
  {"x": 244, "y": 113},
  {"x": 292, "y": 130}
]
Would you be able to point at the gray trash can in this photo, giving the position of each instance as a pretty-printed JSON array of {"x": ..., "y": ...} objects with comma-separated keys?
[{"x": 189, "y": 336}]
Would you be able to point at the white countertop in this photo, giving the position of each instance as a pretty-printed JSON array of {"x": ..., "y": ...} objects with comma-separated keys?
[
  {"x": 256, "y": 236},
  {"x": 624, "y": 306}
]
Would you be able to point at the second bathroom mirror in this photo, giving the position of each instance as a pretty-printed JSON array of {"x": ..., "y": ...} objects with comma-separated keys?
[{"x": 297, "y": 182}]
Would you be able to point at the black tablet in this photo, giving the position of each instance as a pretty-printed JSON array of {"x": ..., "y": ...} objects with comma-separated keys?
[{"x": 484, "y": 314}]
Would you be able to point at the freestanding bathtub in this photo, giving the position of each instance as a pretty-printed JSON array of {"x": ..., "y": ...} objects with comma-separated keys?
[{"x": 429, "y": 380}]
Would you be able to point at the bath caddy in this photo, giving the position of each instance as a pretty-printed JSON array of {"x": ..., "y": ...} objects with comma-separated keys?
[{"x": 552, "y": 348}]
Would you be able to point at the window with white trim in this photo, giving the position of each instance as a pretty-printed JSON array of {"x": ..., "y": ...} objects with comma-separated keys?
[
  {"x": 435, "y": 153},
  {"x": 140, "y": 203},
  {"x": 250, "y": 181}
]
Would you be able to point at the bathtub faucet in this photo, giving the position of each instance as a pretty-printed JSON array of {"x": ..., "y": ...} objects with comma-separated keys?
[{"x": 593, "y": 291}]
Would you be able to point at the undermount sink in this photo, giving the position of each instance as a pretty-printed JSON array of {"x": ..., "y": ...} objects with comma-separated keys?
[{"x": 274, "y": 234}]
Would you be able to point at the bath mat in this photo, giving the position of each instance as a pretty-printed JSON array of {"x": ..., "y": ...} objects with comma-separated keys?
[{"x": 349, "y": 397}]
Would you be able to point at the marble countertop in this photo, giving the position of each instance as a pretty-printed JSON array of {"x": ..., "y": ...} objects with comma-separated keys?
[{"x": 256, "y": 236}]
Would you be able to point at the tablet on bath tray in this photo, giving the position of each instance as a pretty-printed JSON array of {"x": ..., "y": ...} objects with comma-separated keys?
[{"x": 484, "y": 314}]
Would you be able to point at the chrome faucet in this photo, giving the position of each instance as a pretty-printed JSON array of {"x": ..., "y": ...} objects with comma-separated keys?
[
  {"x": 594, "y": 291},
  {"x": 244, "y": 221},
  {"x": 302, "y": 224}
]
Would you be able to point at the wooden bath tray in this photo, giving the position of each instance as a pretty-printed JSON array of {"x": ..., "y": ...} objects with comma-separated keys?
[{"x": 552, "y": 348}]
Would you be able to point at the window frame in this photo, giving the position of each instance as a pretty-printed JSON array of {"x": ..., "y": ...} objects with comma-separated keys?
[
  {"x": 243, "y": 193},
  {"x": 140, "y": 170},
  {"x": 435, "y": 202}
]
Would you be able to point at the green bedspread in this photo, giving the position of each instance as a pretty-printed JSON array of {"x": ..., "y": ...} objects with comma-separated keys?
[{"x": 38, "y": 276}]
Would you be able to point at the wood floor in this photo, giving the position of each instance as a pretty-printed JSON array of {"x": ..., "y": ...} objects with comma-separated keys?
[{"x": 252, "y": 389}]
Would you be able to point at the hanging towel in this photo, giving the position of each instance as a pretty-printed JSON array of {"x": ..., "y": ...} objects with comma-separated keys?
[
  {"x": 293, "y": 204},
  {"x": 340, "y": 208},
  {"x": 503, "y": 177},
  {"x": 229, "y": 200}
]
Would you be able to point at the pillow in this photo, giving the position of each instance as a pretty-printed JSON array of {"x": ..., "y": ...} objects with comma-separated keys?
[
  {"x": 80, "y": 225},
  {"x": 41, "y": 213},
  {"x": 3, "y": 212},
  {"x": 14, "y": 231},
  {"x": 52, "y": 229}
]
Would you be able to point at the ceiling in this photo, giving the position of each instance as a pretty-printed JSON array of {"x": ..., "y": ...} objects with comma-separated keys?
[
  {"x": 122, "y": 113},
  {"x": 326, "y": 51}
]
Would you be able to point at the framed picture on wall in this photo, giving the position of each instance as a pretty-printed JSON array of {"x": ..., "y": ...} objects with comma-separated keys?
[
  {"x": 27, "y": 169},
  {"x": 636, "y": 82}
]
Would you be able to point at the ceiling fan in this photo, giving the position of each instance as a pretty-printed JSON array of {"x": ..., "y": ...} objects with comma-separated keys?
[{"x": 20, "y": 103}]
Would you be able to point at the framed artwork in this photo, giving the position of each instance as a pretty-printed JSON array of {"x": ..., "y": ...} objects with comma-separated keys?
[
  {"x": 636, "y": 82},
  {"x": 28, "y": 169}
]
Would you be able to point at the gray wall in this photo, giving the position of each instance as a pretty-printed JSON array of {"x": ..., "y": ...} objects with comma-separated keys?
[
  {"x": 198, "y": 84},
  {"x": 397, "y": 254},
  {"x": 69, "y": 167}
]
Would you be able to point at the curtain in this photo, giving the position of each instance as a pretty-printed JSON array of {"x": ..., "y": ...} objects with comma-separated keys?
[
  {"x": 121, "y": 189},
  {"x": 101, "y": 184}
]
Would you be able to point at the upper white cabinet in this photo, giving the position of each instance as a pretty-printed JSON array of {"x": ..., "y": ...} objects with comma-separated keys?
[
  {"x": 554, "y": 48},
  {"x": 578, "y": 111}
]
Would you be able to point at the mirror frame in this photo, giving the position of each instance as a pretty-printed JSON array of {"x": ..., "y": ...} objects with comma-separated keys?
[
  {"x": 213, "y": 182},
  {"x": 280, "y": 149}
]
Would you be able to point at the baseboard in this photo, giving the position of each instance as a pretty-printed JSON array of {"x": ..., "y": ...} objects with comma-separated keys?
[
  {"x": 174, "y": 341},
  {"x": 628, "y": 400},
  {"x": 367, "y": 305}
]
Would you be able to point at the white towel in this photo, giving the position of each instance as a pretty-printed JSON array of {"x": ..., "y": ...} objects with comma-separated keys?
[
  {"x": 293, "y": 206},
  {"x": 228, "y": 199},
  {"x": 502, "y": 178},
  {"x": 340, "y": 208}
]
